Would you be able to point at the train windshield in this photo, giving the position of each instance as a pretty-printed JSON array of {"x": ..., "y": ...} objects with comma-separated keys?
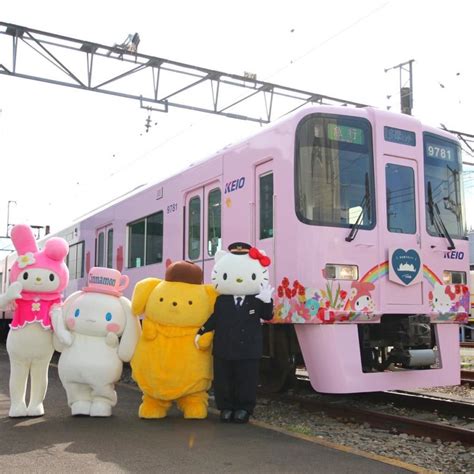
[
  {"x": 443, "y": 187},
  {"x": 334, "y": 182}
]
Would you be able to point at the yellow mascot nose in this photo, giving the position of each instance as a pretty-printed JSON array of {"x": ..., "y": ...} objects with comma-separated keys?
[{"x": 239, "y": 280}]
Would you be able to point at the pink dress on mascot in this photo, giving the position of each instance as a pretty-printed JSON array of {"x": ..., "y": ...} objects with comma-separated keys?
[{"x": 37, "y": 281}]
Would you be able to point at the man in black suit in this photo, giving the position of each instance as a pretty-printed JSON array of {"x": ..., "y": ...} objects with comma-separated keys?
[{"x": 236, "y": 318}]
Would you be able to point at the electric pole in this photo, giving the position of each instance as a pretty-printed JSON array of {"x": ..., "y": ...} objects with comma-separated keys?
[{"x": 406, "y": 92}]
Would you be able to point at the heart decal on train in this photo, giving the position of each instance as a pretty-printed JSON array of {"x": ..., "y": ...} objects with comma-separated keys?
[{"x": 406, "y": 264}]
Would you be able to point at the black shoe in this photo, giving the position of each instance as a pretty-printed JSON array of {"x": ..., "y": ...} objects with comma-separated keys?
[
  {"x": 226, "y": 416},
  {"x": 241, "y": 416}
]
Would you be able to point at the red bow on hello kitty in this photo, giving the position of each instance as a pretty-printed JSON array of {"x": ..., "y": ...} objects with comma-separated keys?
[{"x": 257, "y": 255}]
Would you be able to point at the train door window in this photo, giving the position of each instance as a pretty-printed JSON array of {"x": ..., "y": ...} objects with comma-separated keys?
[
  {"x": 100, "y": 251},
  {"x": 136, "y": 244},
  {"x": 401, "y": 209},
  {"x": 154, "y": 238},
  {"x": 75, "y": 261},
  {"x": 214, "y": 222},
  {"x": 110, "y": 248},
  {"x": 266, "y": 206},
  {"x": 194, "y": 228}
]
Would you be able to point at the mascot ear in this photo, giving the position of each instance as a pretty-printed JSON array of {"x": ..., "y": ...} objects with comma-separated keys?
[
  {"x": 219, "y": 254},
  {"x": 141, "y": 293},
  {"x": 212, "y": 294}
]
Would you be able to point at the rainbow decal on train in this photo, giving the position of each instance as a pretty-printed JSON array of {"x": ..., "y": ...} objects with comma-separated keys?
[{"x": 296, "y": 303}]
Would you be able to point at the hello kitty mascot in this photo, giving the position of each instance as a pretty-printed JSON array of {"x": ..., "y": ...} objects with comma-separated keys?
[
  {"x": 88, "y": 327},
  {"x": 38, "y": 279},
  {"x": 241, "y": 278}
]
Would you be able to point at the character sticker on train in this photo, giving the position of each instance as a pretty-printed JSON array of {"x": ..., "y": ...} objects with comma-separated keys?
[{"x": 296, "y": 303}]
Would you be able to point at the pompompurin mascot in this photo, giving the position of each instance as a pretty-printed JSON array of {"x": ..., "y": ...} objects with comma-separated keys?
[
  {"x": 241, "y": 278},
  {"x": 97, "y": 333},
  {"x": 38, "y": 279},
  {"x": 166, "y": 365}
]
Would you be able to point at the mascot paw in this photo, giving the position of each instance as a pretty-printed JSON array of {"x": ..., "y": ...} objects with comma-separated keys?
[
  {"x": 205, "y": 341},
  {"x": 82, "y": 407},
  {"x": 196, "y": 411},
  {"x": 18, "y": 411},
  {"x": 149, "y": 330},
  {"x": 99, "y": 408},
  {"x": 112, "y": 339},
  {"x": 150, "y": 410},
  {"x": 37, "y": 410}
]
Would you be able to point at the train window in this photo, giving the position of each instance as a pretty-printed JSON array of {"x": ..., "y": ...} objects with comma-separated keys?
[
  {"x": 194, "y": 228},
  {"x": 136, "y": 244},
  {"x": 75, "y": 261},
  {"x": 110, "y": 248},
  {"x": 213, "y": 222},
  {"x": 100, "y": 253},
  {"x": 443, "y": 187},
  {"x": 334, "y": 171},
  {"x": 401, "y": 208},
  {"x": 154, "y": 238},
  {"x": 266, "y": 206}
]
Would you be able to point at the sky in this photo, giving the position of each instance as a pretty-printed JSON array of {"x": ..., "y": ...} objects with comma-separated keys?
[{"x": 64, "y": 152}]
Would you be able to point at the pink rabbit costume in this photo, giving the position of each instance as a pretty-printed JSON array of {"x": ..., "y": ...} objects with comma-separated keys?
[
  {"x": 35, "y": 306},
  {"x": 37, "y": 281}
]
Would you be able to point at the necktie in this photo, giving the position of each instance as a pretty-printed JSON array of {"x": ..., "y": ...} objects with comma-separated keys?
[{"x": 239, "y": 301}]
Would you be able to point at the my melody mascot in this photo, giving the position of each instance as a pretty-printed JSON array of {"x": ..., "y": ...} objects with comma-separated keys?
[
  {"x": 38, "y": 277},
  {"x": 166, "y": 365},
  {"x": 88, "y": 327},
  {"x": 242, "y": 279}
]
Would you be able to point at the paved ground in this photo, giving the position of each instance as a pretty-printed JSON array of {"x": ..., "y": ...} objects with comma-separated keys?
[{"x": 58, "y": 442}]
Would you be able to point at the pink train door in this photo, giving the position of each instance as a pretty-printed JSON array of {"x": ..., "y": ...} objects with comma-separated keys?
[
  {"x": 104, "y": 246},
  {"x": 400, "y": 233},
  {"x": 203, "y": 226},
  {"x": 265, "y": 200}
]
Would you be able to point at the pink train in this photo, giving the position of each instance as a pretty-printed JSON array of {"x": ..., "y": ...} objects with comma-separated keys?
[{"x": 362, "y": 213}]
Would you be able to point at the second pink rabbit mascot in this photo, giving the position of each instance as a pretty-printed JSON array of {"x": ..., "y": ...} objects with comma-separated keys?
[{"x": 38, "y": 279}]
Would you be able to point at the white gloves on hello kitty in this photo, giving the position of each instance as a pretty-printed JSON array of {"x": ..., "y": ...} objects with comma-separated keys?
[{"x": 266, "y": 292}]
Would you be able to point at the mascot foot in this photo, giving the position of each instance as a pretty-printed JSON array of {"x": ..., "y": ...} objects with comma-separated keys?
[
  {"x": 82, "y": 407},
  {"x": 195, "y": 411},
  {"x": 100, "y": 409},
  {"x": 152, "y": 409},
  {"x": 18, "y": 411},
  {"x": 36, "y": 410}
]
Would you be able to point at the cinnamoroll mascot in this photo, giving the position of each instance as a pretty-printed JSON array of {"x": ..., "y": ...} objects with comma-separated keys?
[
  {"x": 38, "y": 279},
  {"x": 88, "y": 328}
]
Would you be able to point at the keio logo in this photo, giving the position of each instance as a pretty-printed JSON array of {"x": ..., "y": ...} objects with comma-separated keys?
[{"x": 234, "y": 185}]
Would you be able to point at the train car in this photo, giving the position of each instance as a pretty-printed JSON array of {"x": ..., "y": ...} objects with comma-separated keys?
[{"x": 362, "y": 214}]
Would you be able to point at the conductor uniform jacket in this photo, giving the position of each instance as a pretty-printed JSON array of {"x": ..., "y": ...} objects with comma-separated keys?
[{"x": 238, "y": 332}]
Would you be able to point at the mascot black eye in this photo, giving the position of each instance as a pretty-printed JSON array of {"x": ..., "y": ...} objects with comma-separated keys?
[
  {"x": 51, "y": 277},
  {"x": 254, "y": 276},
  {"x": 224, "y": 276},
  {"x": 161, "y": 299},
  {"x": 25, "y": 276},
  {"x": 190, "y": 302}
]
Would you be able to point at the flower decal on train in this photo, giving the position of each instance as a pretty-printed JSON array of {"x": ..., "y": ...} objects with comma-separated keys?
[{"x": 25, "y": 260}]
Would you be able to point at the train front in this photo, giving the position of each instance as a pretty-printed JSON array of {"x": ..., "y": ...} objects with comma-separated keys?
[{"x": 377, "y": 283}]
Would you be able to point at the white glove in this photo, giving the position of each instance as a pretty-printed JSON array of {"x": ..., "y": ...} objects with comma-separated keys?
[
  {"x": 14, "y": 291},
  {"x": 64, "y": 336},
  {"x": 266, "y": 292},
  {"x": 196, "y": 340}
]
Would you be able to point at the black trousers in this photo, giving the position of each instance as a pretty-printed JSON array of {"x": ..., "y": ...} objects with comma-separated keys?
[{"x": 235, "y": 383}]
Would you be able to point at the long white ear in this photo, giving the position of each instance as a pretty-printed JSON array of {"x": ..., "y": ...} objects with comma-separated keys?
[{"x": 131, "y": 333}]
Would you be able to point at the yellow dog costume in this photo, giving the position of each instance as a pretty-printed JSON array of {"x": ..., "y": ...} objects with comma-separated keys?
[{"x": 166, "y": 365}]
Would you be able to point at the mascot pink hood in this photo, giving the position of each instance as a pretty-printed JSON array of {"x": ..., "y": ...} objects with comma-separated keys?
[{"x": 51, "y": 257}]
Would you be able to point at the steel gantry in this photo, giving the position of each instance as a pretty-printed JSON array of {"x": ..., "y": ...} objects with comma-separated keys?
[{"x": 157, "y": 83}]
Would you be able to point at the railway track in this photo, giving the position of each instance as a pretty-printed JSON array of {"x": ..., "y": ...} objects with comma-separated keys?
[
  {"x": 427, "y": 406},
  {"x": 467, "y": 376}
]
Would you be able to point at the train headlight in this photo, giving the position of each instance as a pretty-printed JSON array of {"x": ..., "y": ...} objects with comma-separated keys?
[
  {"x": 457, "y": 278},
  {"x": 341, "y": 272}
]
